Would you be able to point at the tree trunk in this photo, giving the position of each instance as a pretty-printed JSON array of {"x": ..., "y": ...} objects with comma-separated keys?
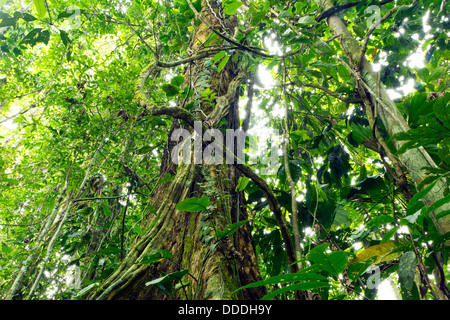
[
  {"x": 414, "y": 160},
  {"x": 214, "y": 272}
]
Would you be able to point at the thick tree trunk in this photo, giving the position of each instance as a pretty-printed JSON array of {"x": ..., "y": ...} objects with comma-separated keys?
[
  {"x": 414, "y": 160},
  {"x": 214, "y": 272}
]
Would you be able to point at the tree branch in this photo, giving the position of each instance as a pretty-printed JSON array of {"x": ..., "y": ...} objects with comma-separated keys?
[
  {"x": 334, "y": 10},
  {"x": 276, "y": 209}
]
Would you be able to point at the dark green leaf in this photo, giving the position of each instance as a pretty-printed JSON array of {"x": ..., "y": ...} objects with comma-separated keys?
[
  {"x": 407, "y": 269},
  {"x": 229, "y": 230},
  {"x": 64, "y": 37},
  {"x": 334, "y": 262}
]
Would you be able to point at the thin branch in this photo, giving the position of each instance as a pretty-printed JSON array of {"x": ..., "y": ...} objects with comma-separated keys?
[
  {"x": 336, "y": 95},
  {"x": 49, "y": 16},
  {"x": 336, "y": 9},
  {"x": 371, "y": 30},
  {"x": 100, "y": 198},
  {"x": 33, "y": 105},
  {"x": 276, "y": 209},
  {"x": 248, "y": 109},
  {"x": 292, "y": 186}
]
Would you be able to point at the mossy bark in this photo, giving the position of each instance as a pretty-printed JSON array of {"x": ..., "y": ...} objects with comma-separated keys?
[{"x": 214, "y": 272}]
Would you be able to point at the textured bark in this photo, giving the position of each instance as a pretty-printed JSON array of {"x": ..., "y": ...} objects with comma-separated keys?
[
  {"x": 414, "y": 160},
  {"x": 213, "y": 273}
]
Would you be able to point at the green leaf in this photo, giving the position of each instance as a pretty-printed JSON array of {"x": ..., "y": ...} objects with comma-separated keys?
[
  {"x": 231, "y": 6},
  {"x": 242, "y": 183},
  {"x": 359, "y": 133},
  {"x": 285, "y": 278},
  {"x": 168, "y": 277},
  {"x": 170, "y": 89},
  {"x": 415, "y": 204},
  {"x": 64, "y": 37},
  {"x": 106, "y": 210},
  {"x": 286, "y": 13},
  {"x": 257, "y": 16},
  {"x": 436, "y": 73},
  {"x": 193, "y": 204},
  {"x": 229, "y": 229},
  {"x": 40, "y": 7},
  {"x": 411, "y": 218},
  {"x": 218, "y": 56},
  {"x": 307, "y": 20},
  {"x": 407, "y": 269},
  {"x": 341, "y": 217},
  {"x": 36, "y": 35},
  {"x": 334, "y": 262},
  {"x": 442, "y": 214},
  {"x": 295, "y": 287},
  {"x": 5, "y": 248},
  {"x": 160, "y": 255},
  {"x": 144, "y": 150},
  {"x": 223, "y": 63},
  {"x": 137, "y": 230},
  {"x": 380, "y": 220},
  {"x": 389, "y": 235},
  {"x": 177, "y": 81}
]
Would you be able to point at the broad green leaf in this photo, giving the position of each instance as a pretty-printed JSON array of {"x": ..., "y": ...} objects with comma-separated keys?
[
  {"x": 359, "y": 133},
  {"x": 411, "y": 218},
  {"x": 229, "y": 230},
  {"x": 5, "y": 248},
  {"x": 177, "y": 81},
  {"x": 389, "y": 235},
  {"x": 64, "y": 37},
  {"x": 383, "y": 252},
  {"x": 242, "y": 183},
  {"x": 230, "y": 6},
  {"x": 7, "y": 22},
  {"x": 436, "y": 73},
  {"x": 306, "y": 21},
  {"x": 193, "y": 204},
  {"x": 257, "y": 16},
  {"x": 334, "y": 262},
  {"x": 355, "y": 270},
  {"x": 286, "y": 13},
  {"x": 380, "y": 220},
  {"x": 223, "y": 63},
  {"x": 285, "y": 278},
  {"x": 407, "y": 269},
  {"x": 137, "y": 230},
  {"x": 106, "y": 210},
  {"x": 170, "y": 89},
  {"x": 160, "y": 255},
  {"x": 341, "y": 217},
  {"x": 168, "y": 277},
  {"x": 442, "y": 214},
  {"x": 415, "y": 204},
  {"x": 218, "y": 56},
  {"x": 40, "y": 7}
]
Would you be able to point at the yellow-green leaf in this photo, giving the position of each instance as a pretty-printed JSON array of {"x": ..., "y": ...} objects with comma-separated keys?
[
  {"x": 40, "y": 7},
  {"x": 381, "y": 252}
]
